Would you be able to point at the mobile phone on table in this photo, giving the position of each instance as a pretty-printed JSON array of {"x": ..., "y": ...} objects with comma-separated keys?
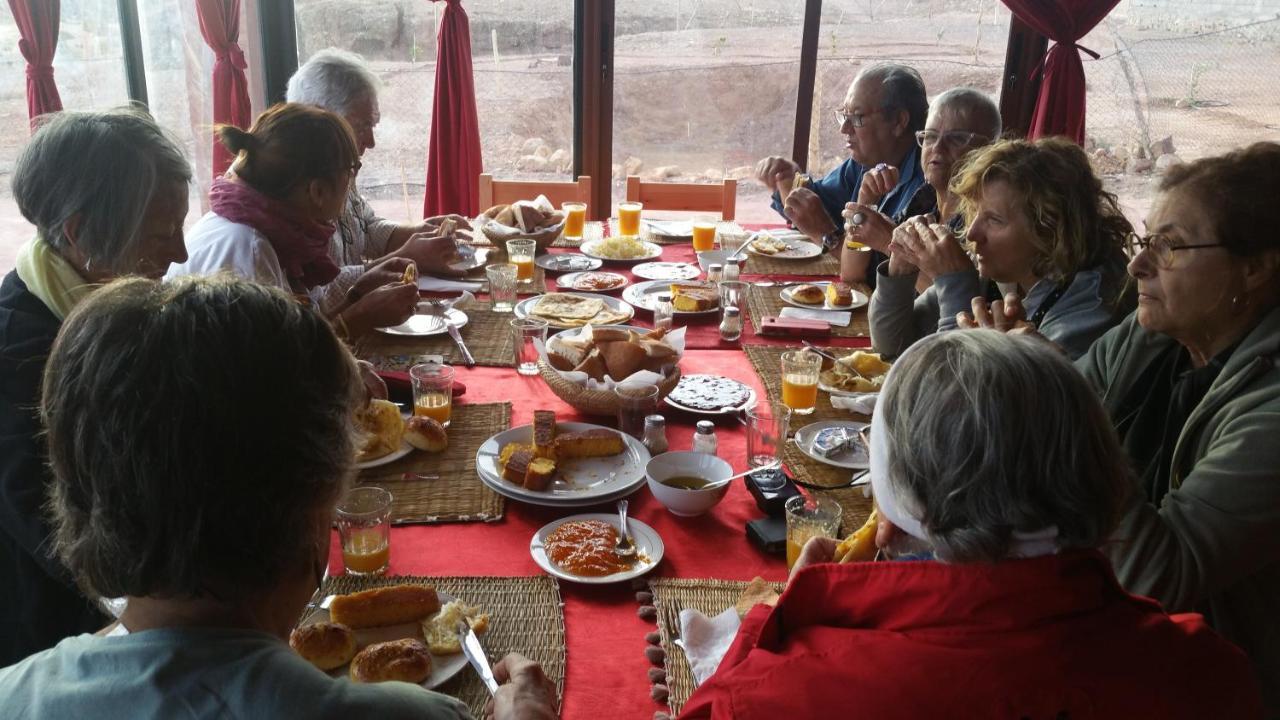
[{"x": 769, "y": 534}]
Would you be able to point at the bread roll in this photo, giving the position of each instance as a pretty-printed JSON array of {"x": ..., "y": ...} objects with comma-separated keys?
[
  {"x": 621, "y": 359},
  {"x": 506, "y": 216},
  {"x": 426, "y": 434},
  {"x": 495, "y": 211},
  {"x": 808, "y": 294},
  {"x": 560, "y": 361},
  {"x": 407, "y": 660},
  {"x": 325, "y": 645},
  {"x": 593, "y": 365},
  {"x": 604, "y": 335},
  {"x": 384, "y": 606},
  {"x": 441, "y": 631}
]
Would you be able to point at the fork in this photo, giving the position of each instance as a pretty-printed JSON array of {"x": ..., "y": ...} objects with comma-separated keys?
[{"x": 625, "y": 548}]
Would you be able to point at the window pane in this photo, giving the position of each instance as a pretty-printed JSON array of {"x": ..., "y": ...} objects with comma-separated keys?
[{"x": 702, "y": 91}]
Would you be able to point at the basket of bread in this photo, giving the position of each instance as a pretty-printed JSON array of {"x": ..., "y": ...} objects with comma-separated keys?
[
  {"x": 534, "y": 219},
  {"x": 583, "y": 367}
]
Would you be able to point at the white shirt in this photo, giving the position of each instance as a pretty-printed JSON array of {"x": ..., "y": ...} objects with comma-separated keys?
[{"x": 216, "y": 244}]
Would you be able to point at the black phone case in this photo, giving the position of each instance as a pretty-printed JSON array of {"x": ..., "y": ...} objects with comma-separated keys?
[{"x": 769, "y": 534}]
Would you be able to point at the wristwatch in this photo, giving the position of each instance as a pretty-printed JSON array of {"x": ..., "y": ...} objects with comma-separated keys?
[{"x": 831, "y": 240}]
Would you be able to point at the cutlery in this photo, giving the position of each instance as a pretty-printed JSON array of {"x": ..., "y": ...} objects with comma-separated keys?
[
  {"x": 467, "y": 359},
  {"x": 782, "y": 283},
  {"x": 743, "y": 246},
  {"x": 625, "y": 547},
  {"x": 474, "y": 651},
  {"x": 712, "y": 486},
  {"x": 819, "y": 350}
]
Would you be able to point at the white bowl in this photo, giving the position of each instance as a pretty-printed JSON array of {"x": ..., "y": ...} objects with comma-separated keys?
[
  {"x": 687, "y": 503},
  {"x": 707, "y": 258}
]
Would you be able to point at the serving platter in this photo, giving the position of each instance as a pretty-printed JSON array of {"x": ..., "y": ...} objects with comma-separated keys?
[
  {"x": 565, "y": 262},
  {"x": 580, "y": 482},
  {"x": 649, "y": 549},
  {"x": 592, "y": 249},
  {"x": 523, "y": 308},
  {"x": 569, "y": 281},
  {"x": 644, "y": 296},
  {"x": 748, "y": 402}
]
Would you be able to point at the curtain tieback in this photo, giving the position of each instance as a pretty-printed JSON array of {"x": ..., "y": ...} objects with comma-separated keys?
[
  {"x": 39, "y": 72},
  {"x": 233, "y": 54},
  {"x": 1080, "y": 48}
]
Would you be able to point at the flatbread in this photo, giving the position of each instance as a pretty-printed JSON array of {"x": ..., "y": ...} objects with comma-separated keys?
[
  {"x": 604, "y": 317},
  {"x": 560, "y": 306}
]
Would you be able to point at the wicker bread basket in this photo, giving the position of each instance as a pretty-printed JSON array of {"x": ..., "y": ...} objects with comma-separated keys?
[
  {"x": 596, "y": 402},
  {"x": 500, "y": 234}
]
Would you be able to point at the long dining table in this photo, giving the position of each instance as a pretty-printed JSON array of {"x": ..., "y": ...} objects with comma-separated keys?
[{"x": 606, "y": 665}]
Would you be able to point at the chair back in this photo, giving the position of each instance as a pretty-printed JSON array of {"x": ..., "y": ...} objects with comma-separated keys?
[
  {"x": 495, "y": 192},
  {"x": 697, "y": 197}
]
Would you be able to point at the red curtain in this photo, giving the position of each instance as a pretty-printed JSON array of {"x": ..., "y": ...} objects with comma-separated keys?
[
  {"x": 38, "y": 22},
  {"x": 1060, "y": 104},
  {"x": 453, "y": 156},
  {"x": 220, "y": 26}
]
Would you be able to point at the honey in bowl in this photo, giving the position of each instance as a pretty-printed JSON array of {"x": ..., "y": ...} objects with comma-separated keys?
[
  {"x": 686, "y": 482},
  {"x": 586, "y": 547}
]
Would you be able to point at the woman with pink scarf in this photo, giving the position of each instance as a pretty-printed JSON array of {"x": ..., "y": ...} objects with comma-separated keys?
[{"x": 272, "y": 215}]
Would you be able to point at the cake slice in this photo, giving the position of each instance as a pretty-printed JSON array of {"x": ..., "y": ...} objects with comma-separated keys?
[
  {"x": 544, "y": 434},
  {"x": 517, "y": 467},
  {"x": 694, "y": 298},
  {"x": 600, "y": 442},
  {"x": 839, "y": 293},
  {"x": 538, "y": 476}
]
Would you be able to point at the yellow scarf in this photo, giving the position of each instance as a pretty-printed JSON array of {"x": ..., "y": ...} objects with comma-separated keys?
[{"x": 50, "y": 277}]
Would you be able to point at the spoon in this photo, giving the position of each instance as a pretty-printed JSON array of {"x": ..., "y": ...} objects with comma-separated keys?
[
  {"x": 726, "y": 481},
  {"x": 624, "y": 546}
]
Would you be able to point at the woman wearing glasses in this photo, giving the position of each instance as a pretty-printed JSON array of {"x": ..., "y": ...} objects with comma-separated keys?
[
  {"x": 272, "y": 216},
  {"x": 1041, "y": 229}
]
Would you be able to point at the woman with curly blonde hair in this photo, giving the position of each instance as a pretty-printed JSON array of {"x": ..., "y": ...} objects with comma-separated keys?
[{"x": 1042, "y": 232}]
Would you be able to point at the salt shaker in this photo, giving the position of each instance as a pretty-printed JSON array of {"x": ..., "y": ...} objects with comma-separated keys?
[
  {"x": 655, "y": 434},
  {"x": 663, "y": 312},
  {"x": 715, "y": 273},
  {"x": 732, "y": 269},
  {"x": 731, "y": 324},
  {"x": 704, "y": 438}
]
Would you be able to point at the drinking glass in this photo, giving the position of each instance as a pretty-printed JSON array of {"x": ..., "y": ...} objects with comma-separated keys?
[
  {"x": 629, "y": 218},
  {"x": 704, "y": 236},
  {"x": 767, "y": 426},
  {"x": 520, "y": 253},
  {"x": 800, "y": 380},
  {"x": 432, "y": 391},
  {"x": 524, "y": 331},
  {"x": 733, "y": 293},
  {"x": 635, "y": 402},
  {"x": 364, "y": 529},
  {"x": 809, "y": 517},
  {"x": 502, "y": 287},
  {"x": 575, "y": 219}
]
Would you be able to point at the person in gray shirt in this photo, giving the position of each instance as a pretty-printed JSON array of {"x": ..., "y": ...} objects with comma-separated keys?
[{"x": 190, "y": 480}]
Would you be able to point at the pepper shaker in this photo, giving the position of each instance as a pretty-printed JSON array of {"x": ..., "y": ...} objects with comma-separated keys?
[
  {"x": 731, "y": 324},
  {"x": 663, "y": 312},
  {"x": 655, "y": 434}
]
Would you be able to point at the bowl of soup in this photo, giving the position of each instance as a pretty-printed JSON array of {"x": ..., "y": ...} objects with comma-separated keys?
[{"x": 679, "y": 481}]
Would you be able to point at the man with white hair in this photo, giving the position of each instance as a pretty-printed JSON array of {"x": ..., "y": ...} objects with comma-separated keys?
[{"x": 342, "y": 83}]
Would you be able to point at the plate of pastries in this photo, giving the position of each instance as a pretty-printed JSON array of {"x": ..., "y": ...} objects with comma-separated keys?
[
  {"x": 405, "y": 632},
  {"x": 687, "y": 298},
  {"x": 856, "y": 372},
  {"x": 386, "y": 434},
  {"x": 569, "y": 310},
  {"x": 562, "y": 464},
  {"x": 824, "y": 296}
]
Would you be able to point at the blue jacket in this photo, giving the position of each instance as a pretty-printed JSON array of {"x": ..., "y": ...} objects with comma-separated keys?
[{"x": 841, "y": 186}]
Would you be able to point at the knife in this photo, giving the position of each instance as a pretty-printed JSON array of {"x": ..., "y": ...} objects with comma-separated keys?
[
  {"x": 457, "y": 339},
  {"x": 474, "y": 651}
]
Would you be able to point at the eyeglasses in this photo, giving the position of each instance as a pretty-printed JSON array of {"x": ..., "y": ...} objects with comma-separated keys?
[
  {"x": 857, "y": 119},
  {"x": 954, "y": 138},
  {"x": 1160, "y": 247}
]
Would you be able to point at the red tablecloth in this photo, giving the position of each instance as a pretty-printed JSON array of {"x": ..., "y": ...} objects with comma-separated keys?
[{"x": 606, "y": 667}]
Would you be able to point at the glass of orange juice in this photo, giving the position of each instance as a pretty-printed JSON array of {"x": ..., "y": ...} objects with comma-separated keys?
[
  {"x": 809, "y": 517},
  {"x": 800, "y": 380},
  {"x": 704, "y": 236},
  {"x": 575, "y": 219},
  {"x": 520, "y": 253},
  {"x": 432, "y": 391},
  {"x": 364, "y": 528},
  {"x": 629, "y": 218}
]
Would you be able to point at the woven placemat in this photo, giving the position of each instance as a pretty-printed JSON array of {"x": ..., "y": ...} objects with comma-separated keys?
[
  {"x": 670, "y": 596},
  {"x": 487, "y": 334},
  {"x": 825, "y": 264},
  {"x": 767, "y": 361},
  {"x": 767, "y": 301},
  {"x": 458, "y": 495},
  {"x": 526, "y": 615},
  {"x": 593, "y": 230}
]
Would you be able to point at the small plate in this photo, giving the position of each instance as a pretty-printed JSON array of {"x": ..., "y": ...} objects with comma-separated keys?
[
  {"x": 796, "y": 249},
  {"x": 469, "y": 258},
  {"x": 443, "y": 667},
  {"x": 568, "y": 280},
  {"x": 859, "y": 299},
  {"x": 422, "y": 325},
  {"x": 838, "y": 392},
  {"x": 565, "y": 262},
  {"x": 645, "y": 297},
  {"x": 404, "y": 449},
  {"x": 524, "y": 306},
  {"x": 649, "y": 549},
  {"x": 666, "y": 271},
  {"x": 591, "y": 250},
  {"x": 855, "y": 459}
]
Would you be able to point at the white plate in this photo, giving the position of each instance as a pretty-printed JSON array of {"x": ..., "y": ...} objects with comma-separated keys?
[
  {"x": 796, "y": 249},
  {"x": 524, "y": 306},
  {"x": 838, "y": 392},
  {"x": 424, "y": 325},
  {"x": 443, "y": 667},
  {"x": 750, "y": 402},
  {"x": 666, "y": 271},
  {"x": 859, "y": 299},
  {"x": 645, "y": 296},
  {"x": 404, "y": 449},
  {"x": 652, "y": 250},
  {"x": 566, "y": 281},
  {"x": 649, "y": 549},
  {"x": 582, "y": 481},
  {"x": 855, "y": 459},
  {"x": 564, "y": 262},
  {"x": 469, "y": 258}
]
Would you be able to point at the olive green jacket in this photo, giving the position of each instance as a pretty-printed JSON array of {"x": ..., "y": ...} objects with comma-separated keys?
[{"x": 1213, "y": 545}]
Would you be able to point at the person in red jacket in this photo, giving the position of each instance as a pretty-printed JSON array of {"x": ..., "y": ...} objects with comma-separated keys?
[{"x": 995, "y": 468}]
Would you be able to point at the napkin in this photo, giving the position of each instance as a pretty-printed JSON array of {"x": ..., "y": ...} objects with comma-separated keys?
[
  {"x": 706, "y": 640},
  {"x": 861, "y": 403},
  {"x": 426, "y": 283},
  {"x": 834, "y": 317}
]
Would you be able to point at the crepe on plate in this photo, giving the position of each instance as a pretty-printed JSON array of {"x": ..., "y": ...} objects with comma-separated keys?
[
  {"x": 563, "y": 310},
  {"x": 860, "y": 372}
]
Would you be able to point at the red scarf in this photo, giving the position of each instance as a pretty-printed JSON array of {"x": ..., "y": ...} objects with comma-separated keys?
[{"x": 302, "y": 245}]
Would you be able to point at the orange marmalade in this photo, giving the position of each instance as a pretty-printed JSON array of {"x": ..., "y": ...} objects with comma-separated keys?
[{"x": 586, "y": 547}]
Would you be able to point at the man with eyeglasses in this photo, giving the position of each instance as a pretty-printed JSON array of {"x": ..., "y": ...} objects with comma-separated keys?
[{"x": 884, "y": 108}]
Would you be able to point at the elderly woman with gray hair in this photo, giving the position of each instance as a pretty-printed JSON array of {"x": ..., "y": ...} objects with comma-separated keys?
[
  {"x": 107, "y": 194},
  {"x": 341, "y": 82},
  {"x": 215, "y": 524},
  {"x": 997, "y": 475}
]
